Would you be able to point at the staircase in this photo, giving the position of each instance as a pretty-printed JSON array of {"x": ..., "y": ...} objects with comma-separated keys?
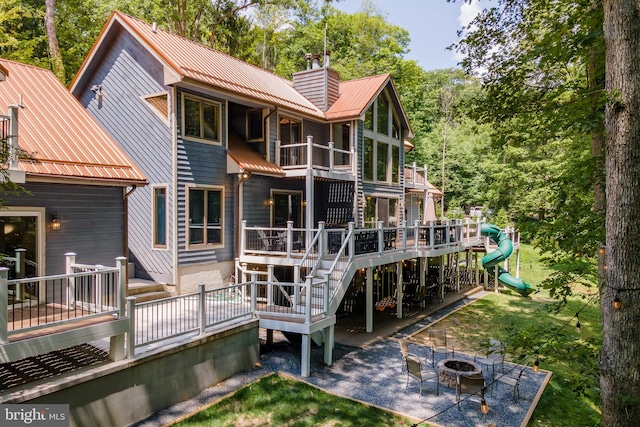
[{"x": 145, "y": 290}]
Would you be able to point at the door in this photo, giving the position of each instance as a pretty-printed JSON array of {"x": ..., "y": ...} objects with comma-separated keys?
[{"x": 287, "y": 206}]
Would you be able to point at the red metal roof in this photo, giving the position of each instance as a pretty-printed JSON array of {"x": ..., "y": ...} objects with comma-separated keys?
[
  {"x": 191, "y": 60},
  {"x": 249, "y": 159},
  {"x": 356, "y": 96},
  {"x": 60, "y": 135}
]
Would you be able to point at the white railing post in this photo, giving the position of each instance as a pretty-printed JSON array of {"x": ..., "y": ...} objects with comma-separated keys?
[
  {"x": 278, "y": 152},
  {"x": 121, "y": 291},
  {"x": 331, "y": 154},
  {"x": 243, "y": 237},
  {"x": 131, "y": 334},
  {"x": 353, "y": 162},
  {"x": 243, "y": 279},
  {"x": 327, "y": 290},
  {"x": 416, "y": 235},
  {"x": 70, "y": 259},
  {"x": 202, "y": 318},
  {"x": 98, "y": 286},
  {"x": 307, "y": 300},
  {"x": 19, "y": 271},
  {"x": 380, "y": 238},
  {"x": 254, "y": 292},
  {"x": 289, "y": 240},
  {"x": 296, "y": 281},
  {"x": 270, "y": 282},
  {"x": 447, "y": 232},
  {"x": 322, "y": 241},
  {"x": 432, "y": 234},
  {"x": 404, "y": 235},
  {"x": 352, "y": 241},
  {"x": 4, "y": 305},
  {"x": 309, "y": 151}
]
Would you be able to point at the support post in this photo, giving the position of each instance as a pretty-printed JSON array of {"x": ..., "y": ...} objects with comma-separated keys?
[
  {"x": 369, "y": 300},
  {"x": 4, "y": 305},
  {"x": 328, "y": 344},
  {"x": 399, "y": 282},
  {"x": 305, "y": 357},
  {"x": 202, "y": 320},
  {"x": 131, "y": 334},
  {"x": 70, "y": 259}
]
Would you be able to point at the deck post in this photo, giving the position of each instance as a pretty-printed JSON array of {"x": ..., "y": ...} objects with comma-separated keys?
[
  {"x": 352, "y": 241},
  {"x": 243, "y": 237},
  {"x": 131, "y": 335},
  {"x": 322, "y": 239},
  {"x": 369, "y": 299},
  {"x": 121, "y": 264},
  {"x": 307, "y": 299},
  {"x": 270, "y": 280},
  {"x": 416, "y": 233},
  {"x": 20, "y": 259},
  {"x": 70, "y": 259},
  {"x": 380, "y": 239},
  {"x": 404, "y": 235},
  {"x": 399, "y": 282},
  {"x": 254, "y": 292},
  {"x": 331, "y": 154},
  {"x": 328, "y": 344},
  {"x": 432, "y": 235},
  {"x": 305, "y": 369},
  {"x": 441, "y": 277},
  {"x": 4, "y": 305},
  {"x": 289, "y": 241},
  {"x": 202, "y": 320}
]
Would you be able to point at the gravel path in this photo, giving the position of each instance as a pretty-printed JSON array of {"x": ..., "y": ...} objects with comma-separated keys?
[{"x": 373, "y": 375}]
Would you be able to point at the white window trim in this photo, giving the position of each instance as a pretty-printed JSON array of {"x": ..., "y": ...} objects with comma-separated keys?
[
  {"x": 208, "y": 101},
  {"x": 165, "y": 119},
  {"x": 154, "y": 246},
  {"x": 200, "y": 246},
  {"x": 41, "y": 218}
]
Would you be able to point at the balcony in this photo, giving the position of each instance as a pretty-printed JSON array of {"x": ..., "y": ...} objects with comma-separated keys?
[{"x": 324, "y": 160}]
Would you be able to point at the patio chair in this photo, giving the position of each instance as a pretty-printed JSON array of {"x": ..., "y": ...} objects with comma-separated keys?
[
  {"x": 438, "y": 344},
  {"x": 265, "y": 240},
  {"x": 404, "y": 352},
  {"x": 511, "y": 381},
  {"x": 470, "y": 385},
  {"x": 491, "y": 356},
  {"x": 415, "y": 371}
]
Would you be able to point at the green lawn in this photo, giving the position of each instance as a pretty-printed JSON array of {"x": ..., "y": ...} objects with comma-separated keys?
[
  {"x": 570, "y": 399},
  {"x": 276, "y": 401}
]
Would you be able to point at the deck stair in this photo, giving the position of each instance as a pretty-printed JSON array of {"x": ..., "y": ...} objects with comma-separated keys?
[{"x": 147, "y": 290}]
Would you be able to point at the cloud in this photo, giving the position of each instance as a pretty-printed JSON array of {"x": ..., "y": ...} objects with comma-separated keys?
[{"x": 468, "y": 11}]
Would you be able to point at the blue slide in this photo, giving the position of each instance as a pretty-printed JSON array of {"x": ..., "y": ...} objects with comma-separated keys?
[{"x": 504, "y": 251}]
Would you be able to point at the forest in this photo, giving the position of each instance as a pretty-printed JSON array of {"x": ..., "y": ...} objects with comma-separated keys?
[{"x": 521, "y": 129}]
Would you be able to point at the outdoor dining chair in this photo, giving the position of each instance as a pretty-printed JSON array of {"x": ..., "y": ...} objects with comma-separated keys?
[
  {"x": 415, "y": 371},
  {"x": 513, "y": 381},
  {"x": 438, "y": 344},
  {"x": 491, "y": 356},
  {"x": 469, "y": 385}
]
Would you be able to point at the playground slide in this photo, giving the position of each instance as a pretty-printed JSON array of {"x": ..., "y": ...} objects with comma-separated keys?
[{"x": 504, "y": 251}]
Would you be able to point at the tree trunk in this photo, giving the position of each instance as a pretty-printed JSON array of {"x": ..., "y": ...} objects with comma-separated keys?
[
  {"x": 620, "y": 353},
  {"x": 54, "y": 49}
]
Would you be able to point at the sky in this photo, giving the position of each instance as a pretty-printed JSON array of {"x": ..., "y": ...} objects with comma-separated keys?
[{"x": 432, "y": 26}]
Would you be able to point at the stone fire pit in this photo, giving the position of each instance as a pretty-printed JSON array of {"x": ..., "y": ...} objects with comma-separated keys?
[{"x": 449, "y": 369}]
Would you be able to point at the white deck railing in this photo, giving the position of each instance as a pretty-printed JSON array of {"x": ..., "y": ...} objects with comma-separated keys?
[{"x": 314, "y": 156}]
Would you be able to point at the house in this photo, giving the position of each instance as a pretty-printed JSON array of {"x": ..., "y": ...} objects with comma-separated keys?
[
  {"x": 282, "y": 181},
  {"x": 74, "y": 179}
]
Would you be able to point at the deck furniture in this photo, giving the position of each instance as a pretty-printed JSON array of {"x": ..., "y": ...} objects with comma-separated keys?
[
  {"x": 491, "y": 356},
  {"x": 415, "y": 371},
  {"x": 513, "y": 381},
  {"x": 438, "y": 344},
  {"x": 469, "y": 385}
]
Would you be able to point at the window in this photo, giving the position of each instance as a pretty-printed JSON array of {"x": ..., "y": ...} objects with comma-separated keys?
[
  {"x": 395, "y": 163},
  {"x": 341, "y": 136},
  {"x": 201, "y": 119},
  {"x": 23, "y": 234},
  {"x": 254, "y": 126},
  {"x": 383, "y": 156},
  {"x": 205, "y": 216},
  {"x": 160, "y": 217},
  {"x": 393, "y": 212},
  {"x": 290, "y": 131},
  {"x": 383, "y": 115},
  {"x": 159, "y": 104},
  {"x": 368, "y": 118},
  {"x": 368, "y": 159},
  {"x": 395, "y": 128}
]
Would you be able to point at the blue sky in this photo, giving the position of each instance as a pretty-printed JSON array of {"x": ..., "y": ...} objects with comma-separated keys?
[{"x": 432, "y": 26}]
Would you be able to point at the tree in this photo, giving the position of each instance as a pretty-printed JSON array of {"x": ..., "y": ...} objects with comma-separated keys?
[
  {"x": 52, "y": 37},
  {"x": 619, "y": 368}
]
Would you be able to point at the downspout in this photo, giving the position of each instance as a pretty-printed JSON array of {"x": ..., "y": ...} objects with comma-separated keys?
[
  {"x": 242, "y": 177},
  {"x": 126, "y": 230},
  {"x": 264, "y": 128}
]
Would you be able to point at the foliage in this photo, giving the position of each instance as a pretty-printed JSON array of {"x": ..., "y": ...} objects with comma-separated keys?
[{"x": 275, "y": 401}]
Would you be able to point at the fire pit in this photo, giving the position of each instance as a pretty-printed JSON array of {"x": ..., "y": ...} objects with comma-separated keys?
[{"x": 449, "y": 369}]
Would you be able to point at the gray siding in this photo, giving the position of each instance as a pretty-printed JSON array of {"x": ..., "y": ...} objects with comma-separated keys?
[
  {"x": 319, "y": 85},
  {"x": 126, "y": 72},
  {"x": 320, "y": 132},
  {"x": 204, "y": 164},
  {"x": 92, "y": 220}
]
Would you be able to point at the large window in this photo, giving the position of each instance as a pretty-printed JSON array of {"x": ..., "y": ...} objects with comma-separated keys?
[
  {"x": 368, "y": 159},
  {"x": 160, "y": 217},
  {"x": 290, "y": 131},
  {"x": 205, "y": 216},
  {"x": 383, "y": 115},
  {"x": 201, "y": 119},
  {"x": 254, "y": 126},
  {"x": 395, "y": 163},
  {"x": 383, "y": 156},
  {"x": 22, "y": 245}
]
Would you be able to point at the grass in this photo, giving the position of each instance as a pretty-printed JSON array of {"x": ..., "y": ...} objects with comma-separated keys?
[
  {"x": 276, "y": 401},
  {"x": 572, "y": 396},
  {"x": 570, "y": 399}
]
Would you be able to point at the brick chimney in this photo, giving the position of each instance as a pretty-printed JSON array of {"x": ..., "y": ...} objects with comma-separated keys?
[{"x": 319, "y": 84}]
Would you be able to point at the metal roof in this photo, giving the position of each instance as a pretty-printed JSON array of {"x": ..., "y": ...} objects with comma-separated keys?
[
  {"x": 356, "y": 96},
  {"x": 191, "y": 60},
  {"x": 249, "y": 159},
  {"x": 62, "y": 138}
]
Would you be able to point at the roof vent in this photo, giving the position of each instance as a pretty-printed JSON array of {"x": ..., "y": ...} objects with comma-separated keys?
[
  {"x": 315, "y": 62},
  {"x": 154, "y": 27}
]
